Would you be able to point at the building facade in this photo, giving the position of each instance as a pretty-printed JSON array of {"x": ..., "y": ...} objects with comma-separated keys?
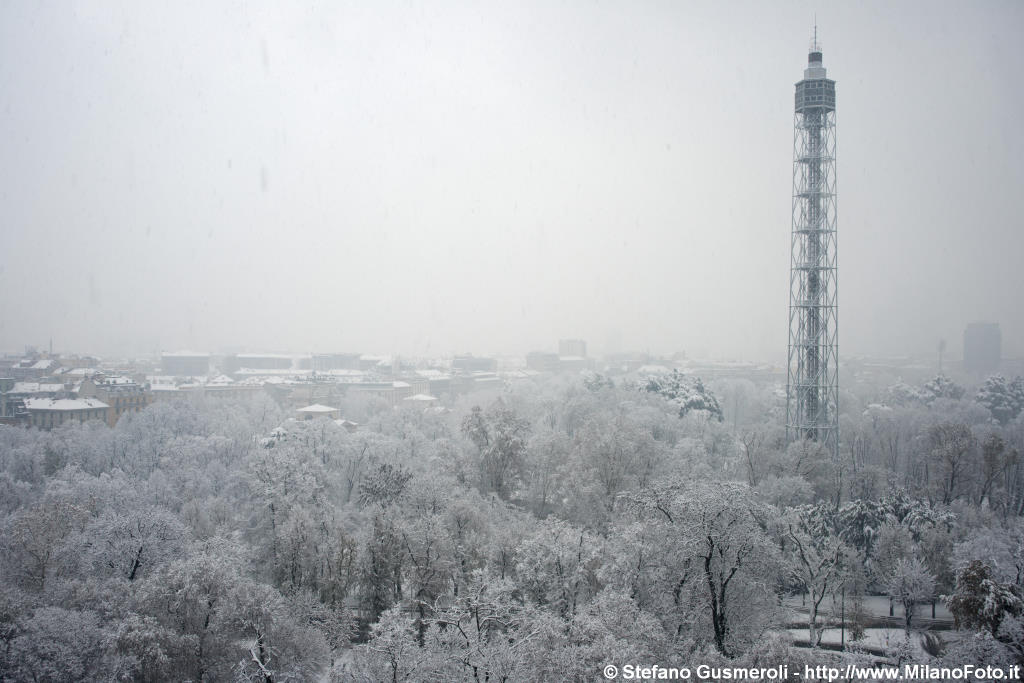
[
  {"x": 122, "y": 394},
  {"x": 47, "y": 413}
]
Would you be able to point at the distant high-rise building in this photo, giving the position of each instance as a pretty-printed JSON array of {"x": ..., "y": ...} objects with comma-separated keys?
[
  {"x": 572, "y": 347},
  {"x": 983, "y": 347},
  {"x": 185, "y": 364},
  {"x": 812, "y": 387}
]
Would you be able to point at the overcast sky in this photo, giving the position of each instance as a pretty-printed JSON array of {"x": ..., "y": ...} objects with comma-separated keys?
[{"x": 429, "y": 178}]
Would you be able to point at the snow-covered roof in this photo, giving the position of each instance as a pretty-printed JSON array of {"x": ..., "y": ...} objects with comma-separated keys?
[
  {"x": 222, "y": 379},
  {"x": 654, "y": 370},
  {"x": 317, "y": 408},
  {"x": 185, "y": 354},
  {"x": 44, "y": 364},
  {"x": 342, "y": 372},
  {"x": 64, "y": 404},
  {"x": 398, "y": 384},
  {"x": 420, "y": 397},
  {"x": 269, "y": 372},
  {"x": 118, "y": 380},
  {"x": 349, "y": 380},
  {"x": 35, "y": 388},
  {"x": 83, "y": 372},
  {"x": 431, "y": 373}
]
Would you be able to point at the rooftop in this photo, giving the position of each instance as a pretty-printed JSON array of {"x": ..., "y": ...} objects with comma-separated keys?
[
  {"x": 64, "y": 404},
  {"x": 35, "y": 388},
  {"x": 317, "y": 408},
  {"x": 83, "y": 372},
  {"x": 120, "y": 380}
]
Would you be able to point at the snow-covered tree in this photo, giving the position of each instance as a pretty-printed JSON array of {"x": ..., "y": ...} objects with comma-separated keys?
[
  {"x": 56, "y": 644},
  {"x": 34, "y": 538},
  {"x": 996, "y": 460},
  {"x": 859, "y": 523},
  {"x": 556, "y": 565},
  {"x": 392, "y": 653},
  {"x": 950, "y": 460},
  {"x": 499, "y": 436},
  {"x": 941, "y": 386},
  {"x": 1000, "y": 546},
  {"x": 130, "y": 543},
  {"x": 384, "y": 485},
  {"x": 1002, "y": 398},
  {"x": 902, "y": 394},
  {"x": 381, "y": 560},
  {"x": 686, "y": 394},
  {"x": 721, "y": 553},
  {"x": 277, "y": 646},
  {"x": 815, "y": 553},
  {"x": 910, "y": 584},
  {"x": 981, "y": 601},
  {"x": 547, "y": 455},
  {"x": 485, "y": 634}
]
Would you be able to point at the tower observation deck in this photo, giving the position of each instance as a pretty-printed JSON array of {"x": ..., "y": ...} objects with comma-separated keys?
[{"x": 812, "y": 386}]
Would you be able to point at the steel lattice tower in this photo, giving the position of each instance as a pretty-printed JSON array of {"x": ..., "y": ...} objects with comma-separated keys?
[{"x": 812, "y": 391}]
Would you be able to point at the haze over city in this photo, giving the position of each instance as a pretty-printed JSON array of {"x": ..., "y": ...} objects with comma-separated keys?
[
  {"x": 428, "y": 179},
  {"x": 523, "y": 342}
]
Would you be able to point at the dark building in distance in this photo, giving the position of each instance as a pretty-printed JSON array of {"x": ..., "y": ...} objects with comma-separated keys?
[
  {"x": 983, "y": 347},
  {"x": 572, "y": 347},
  {"x": 185, "y": 364}
]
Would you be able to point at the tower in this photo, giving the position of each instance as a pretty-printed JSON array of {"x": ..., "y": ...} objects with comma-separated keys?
[{"x": 812, "y": 385}]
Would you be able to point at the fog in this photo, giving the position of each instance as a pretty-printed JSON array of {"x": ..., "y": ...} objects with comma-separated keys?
[{"x": 434, "y": 178}]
